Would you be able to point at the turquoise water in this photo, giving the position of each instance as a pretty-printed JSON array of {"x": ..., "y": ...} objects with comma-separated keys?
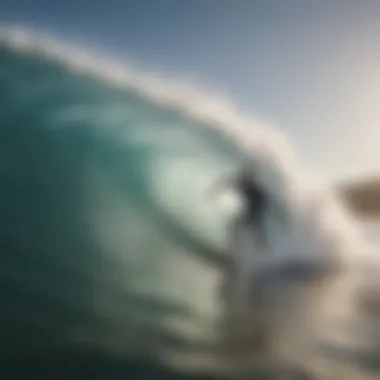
[
  {"x": 106, "y": 240},
  {"x": 111, "y": 249}
]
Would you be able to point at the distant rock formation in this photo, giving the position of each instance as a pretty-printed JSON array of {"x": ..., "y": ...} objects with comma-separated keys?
[{"x": 363, "y": 197}]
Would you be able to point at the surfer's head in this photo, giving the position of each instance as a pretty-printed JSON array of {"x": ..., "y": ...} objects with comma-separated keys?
[{"x": 246, "y": 176}]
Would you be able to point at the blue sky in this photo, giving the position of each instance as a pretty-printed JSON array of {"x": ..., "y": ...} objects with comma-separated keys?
[{"x": 313, "y": 67}]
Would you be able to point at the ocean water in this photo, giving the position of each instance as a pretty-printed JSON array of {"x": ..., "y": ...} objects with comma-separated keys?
[{"x": 110, "y": 245}]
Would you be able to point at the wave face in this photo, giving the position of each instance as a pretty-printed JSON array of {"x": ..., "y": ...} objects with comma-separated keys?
[{"x": 108, "y": 238}]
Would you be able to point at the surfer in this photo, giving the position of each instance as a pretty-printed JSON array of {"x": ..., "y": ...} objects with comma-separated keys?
[{"x": 256, "y": 204}]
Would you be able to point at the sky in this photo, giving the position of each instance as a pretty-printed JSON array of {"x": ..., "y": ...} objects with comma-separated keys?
[{"x": 312, "y": 67}]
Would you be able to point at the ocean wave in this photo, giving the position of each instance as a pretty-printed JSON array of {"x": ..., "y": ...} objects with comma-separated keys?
[{"x": 107, "y": 231}]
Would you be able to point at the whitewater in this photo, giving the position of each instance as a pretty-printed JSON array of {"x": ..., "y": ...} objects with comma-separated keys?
[{"x": 110, "y": 242}]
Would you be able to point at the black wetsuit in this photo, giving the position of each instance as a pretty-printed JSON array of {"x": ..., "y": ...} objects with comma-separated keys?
[
  {"x": 256, "y": 199},
  {"x": 256, "y": 206}
]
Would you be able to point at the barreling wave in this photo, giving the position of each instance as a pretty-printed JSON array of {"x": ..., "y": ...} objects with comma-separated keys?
[{"x": 107, "y": 236}]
